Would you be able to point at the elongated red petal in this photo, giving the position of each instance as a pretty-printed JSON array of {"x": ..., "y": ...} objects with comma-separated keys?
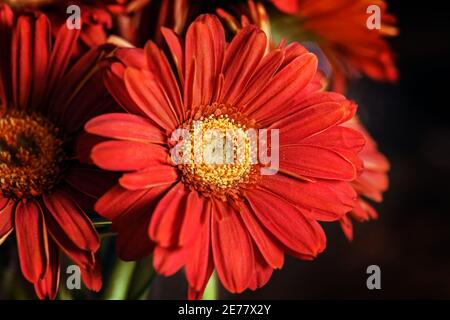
[
  {"x": 204, "y": 53},
  {"x": 92, "y": 276},
  {"x": 316, "y": 162},
  {"x": 168, "y": 261},
  {"x": 262, "y": 273},
  {"x": 199, "y": 266},
  {"x": 287, "y": 223},
  {"x": 151, "y": 177},
  {"x": 32, "y": 242},
  {"x": 312, "y": 120},
  {"x": 232, "y": 250},
  {"x": 241, "y": 58},
  {"x": 321, "y": 200},
  {"x": 271, "y": 252},
  {"x": 125, "y": 127},
  {"x": 261, "y": 77},
  {"x": 150, "y": 97},
  {"x": 21, "y": 61},
  {"x": 64, "y": 45},
  {"x": 194, "y": 217},
  {"x": 118, "y": 201},
  {"x": 284, "y": 86},
  {"x": 128, "y": 155},
  {"x": 73, "y": 220},
  {"x": 131, "y": 224},
  {"x": 160, "y": 68},
  {"x": 168, "y": 216},
  {"x": 47, "y": 287}
]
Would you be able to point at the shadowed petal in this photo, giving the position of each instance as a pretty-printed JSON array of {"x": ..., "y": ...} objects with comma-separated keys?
[{"x": 73, "y": 220}]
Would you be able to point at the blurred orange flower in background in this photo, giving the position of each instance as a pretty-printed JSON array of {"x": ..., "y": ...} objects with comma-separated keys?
[{"x": 340, "y": 28}]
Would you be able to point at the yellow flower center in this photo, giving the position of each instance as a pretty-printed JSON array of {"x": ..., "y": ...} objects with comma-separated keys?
[
  {"x": 31, "y": 155},
  {"x": 217, "y": 155}
]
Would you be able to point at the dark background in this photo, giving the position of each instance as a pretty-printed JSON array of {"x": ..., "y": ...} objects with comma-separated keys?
[{"x": 411, "y": 240}]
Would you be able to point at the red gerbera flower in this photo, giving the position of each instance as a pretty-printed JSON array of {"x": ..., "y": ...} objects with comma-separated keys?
[
  {"x": 370, "y": 184},
  {"x": 227, "y": 217},
  {"x": 43, "y": 106},
  {"x": 340, "y": 28}
]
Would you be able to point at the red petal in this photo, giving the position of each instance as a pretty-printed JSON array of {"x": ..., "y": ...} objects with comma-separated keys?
[
  {"x": 114, "y": 82},
  {"x": 174, "y": 44},
  {"x": 200, "y": 265},
  {"x": 168, "y": 261},
  {"x": 41, "y": 58},
  {"x": 6, "y": 30},
  {"x": 241, "y": 59},
  {"x": 287, "y": 223},
  {"x": 133, "y": 241},
  {"x": 261, "y": 76},
  {"x": 194, "y": 217},
  {"x": 32, "y": 242},
  {"x": 128, "y": 155},
  {"x": 284, "y": 86},
  {"x": 72, "y": 220},
  {"x": 92, "y": 277},
  {"x": 347, "y": 227},
  {"x": 150, "y": 97},
  {"x": 232, "y": 250},
  {"x": 162, "y": 71},
  {"x": 151, "y": 177},
  {"x": 262, "y": 272},
  {"x": 47, "y": 287},
  {"x": 316, "y": 162},
  {"x": 118, "y": 201},
  {"x": 21, "y": 60},
  {"x": 65, "y": 43},
  {"x": 168, "y": 216},
  {"x": 313, "y": 120},
  {"x": 321, "y": 200},
  {"x": 125, "y": 127},
  {"x": 205, "y": 47},
  {"x": 271, "y": 252}
]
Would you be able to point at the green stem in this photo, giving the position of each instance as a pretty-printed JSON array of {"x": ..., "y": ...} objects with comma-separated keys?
[
  {"x": 64, "y": 294},
  {"x": 119, "y": 282},
  {"x": 102, "y": 223},
  {"x": 142, "y": 279},
  {"x": 211, "y": 290}
]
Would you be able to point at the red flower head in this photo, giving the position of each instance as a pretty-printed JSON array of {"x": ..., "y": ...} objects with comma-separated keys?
[
  {"x": 232, "y": 217},
  {"x": 43, "y": 106},
  {"x": 340, "y": 28},
  {"x": 370, "y": 184}
]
